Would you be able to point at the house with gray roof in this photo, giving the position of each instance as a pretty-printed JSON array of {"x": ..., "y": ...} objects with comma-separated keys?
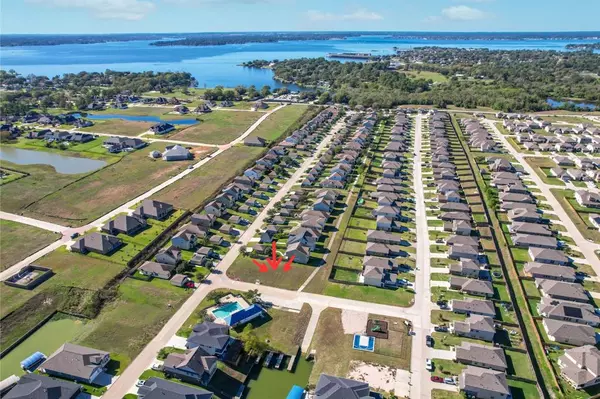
[
  {"x": 528, "y": 241},
  {"x": 470, "y": 306},
  {"x": 486, "y": 356},
  {"x": 524, "y": 215},
  {"x": 569, "y": 333},
  {"x": 154, "y": 209},
  {"x": 575, "y": 312},
  {"x": 562, "y": 290},
  {"x": 330, "y": 387},
  {"x": 383, "y": 237},
  {"x": 547, "y": 255},
  {"x": 194, "y": 365},
  {"x": 482, "y": 383},
  {"x": 587, "y": 198},
  {"x": 465, "y": 268},
  {"x": 212, "y": 338},
  {"x": 530, "y": 228},
  {"x": 155, "y": 269},
  {"x": 95, "y": 242},
  {"x": 472, "y": 286},
  {"x": 125, "y": 224},
  {"x": 39, "y": 386},
  {"x": 75, "y": 362},
  {"x": 157, "y": 388},
  {"x": 459, "y": 251},
  {"x": 551, "y": 272},
  {"x": 476, "y": 327},
  {"x": 581, "y": 366}
]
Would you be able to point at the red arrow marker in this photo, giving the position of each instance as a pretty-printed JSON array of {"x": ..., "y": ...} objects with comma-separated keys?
[{"x": 274, "y": 261}]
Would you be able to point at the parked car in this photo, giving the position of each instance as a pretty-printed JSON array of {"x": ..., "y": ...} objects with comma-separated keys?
[
  {"x": 139, "y": 383},
  {"x": 449, "y": 380},
  {"x": 429, "y": 341},
  {"x": 441, "y": 328},
  {"x": 74, "y": 235},
  {"x": 428, "y": 365},
  {"x": 157, "y": 367},
  {"x": 435, "y": 378}
]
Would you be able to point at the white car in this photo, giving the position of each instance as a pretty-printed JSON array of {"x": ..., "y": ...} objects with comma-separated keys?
[
  {"x": 157, "y": 366},
  {"x": 428, "y": 365},
  {"x": 139, "y": 383}
]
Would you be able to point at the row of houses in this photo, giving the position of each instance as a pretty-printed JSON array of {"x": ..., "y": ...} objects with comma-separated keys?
[
  {"x": 545, "y": 143},
  {"x": 383, "y": 243},
  {"x": 568, "y": 316},
  {"x": 58, "y": 136},
  {"x": 478, "y": 136}
]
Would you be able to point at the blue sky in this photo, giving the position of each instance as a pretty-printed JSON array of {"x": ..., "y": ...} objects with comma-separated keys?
[{"x": 106, "y": 16}]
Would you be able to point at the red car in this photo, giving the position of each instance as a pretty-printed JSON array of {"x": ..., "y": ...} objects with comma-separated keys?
[{"x": 435, "y": 378}]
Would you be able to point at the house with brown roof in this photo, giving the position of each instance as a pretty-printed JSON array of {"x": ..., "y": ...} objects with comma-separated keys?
[
  {"x": 529, "y": 241},
  {"x": 547, "y": 255},
  {"x": 548, "y": 271},
  {"x": 472, "y": 286}
]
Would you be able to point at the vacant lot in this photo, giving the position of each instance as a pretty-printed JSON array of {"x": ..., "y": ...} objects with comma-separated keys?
[
  {"x": 18, "y": 241},
  {"x": 128, "y": 323},
  {"x": 334, "y": 348},
  {"x": 198, "y": 186},
  {"x": 435, "y": 76},
  {"x": 245, "y": 270},
  {"x": 118, "y": 126},
  {"x": 542, "y": 167},
  {"x": 279, "y": 122},
  {"x": 218, "y": 127},
  {"x": 107, "y": 188}
]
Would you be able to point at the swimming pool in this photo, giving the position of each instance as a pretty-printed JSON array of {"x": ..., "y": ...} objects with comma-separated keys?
[
  {"x": 225, "y": 310},
  {"x": 363, "y": 343}
]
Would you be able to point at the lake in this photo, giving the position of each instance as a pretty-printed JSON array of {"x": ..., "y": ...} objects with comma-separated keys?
[
  {"x": 266, "y": 382},
  {"x": 138, "y": 118},
  {"x": 218, "y": 65},
  {"x": 582, "y": 106},
  {"x": 62, "y": 163}
]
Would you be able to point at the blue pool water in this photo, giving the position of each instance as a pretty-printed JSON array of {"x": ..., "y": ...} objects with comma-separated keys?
[
  {"x": 140, "y": 118},
  {"x": 226, "y": 310},
  {"x": 363, "y": 343}
]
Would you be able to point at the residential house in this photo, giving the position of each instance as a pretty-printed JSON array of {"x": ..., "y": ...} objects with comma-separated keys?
[
  {"x": 194, "y": 365},
  {"x": 212, "y": 338},
  {"x": 476, "y": 327},
  {"x": 154, "y": 209},
  {"x": 466, "y": 268},
  {"x": 551, "y": 272},
  {"x": 95, "y": 242},
  {"x": 162, "y": 128},
  {"x": 75, "y": 362},
  {"x": 155, "y": 269},
  {"x": 489, "y": 357},
  {"x": 575, "y": 312},
  {"x": 562, "y": 290},
  {"x": 534, "y": 241},
  {"x": 581, "y": 366},
  {"x": 331, "y": 387},
  {"x": 125, "y": 224},
  {"x": 39, "y": 386},
  {"x": 184, "y": 239},
  {"x": 482, "y": 383},
  {"x": 471, "y": 306},
  {"x": 472, "y": 286},
  {"x": 170, "y": 255},
  {"x": 569, "y": 333},
  {"x": 547, "y": 255},
  {"x": 157, "y": 388},
  {"x": 587, "y": 199},
  {"x": 176, "y": 153}
]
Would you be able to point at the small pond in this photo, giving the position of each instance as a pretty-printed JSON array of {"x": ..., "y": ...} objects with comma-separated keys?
[
  {"x": 62, "y": 163},
  {"x": 47, "y": 339},
  {"x": 139, "y": 118},
  {"x": 582, "y": 106}
]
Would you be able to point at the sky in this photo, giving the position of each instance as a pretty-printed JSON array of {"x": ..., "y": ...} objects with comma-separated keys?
[{"x": 130, "y": 16}]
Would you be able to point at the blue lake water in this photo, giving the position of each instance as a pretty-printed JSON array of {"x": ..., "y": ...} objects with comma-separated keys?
[
  {"x": 218, "y": 65},
  {"x": 583, "y": 106},
  {"x": 138, "y": 118},
  {"x": 62, "y": 163}
]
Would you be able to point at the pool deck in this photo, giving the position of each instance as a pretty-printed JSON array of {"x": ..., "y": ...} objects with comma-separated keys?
[{"x": 227, "y": 299}]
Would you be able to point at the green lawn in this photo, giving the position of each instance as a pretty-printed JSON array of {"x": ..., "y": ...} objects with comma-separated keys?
[
  {"x": 434, "y": 76},
  {"x": 577, "y": 213},
  {"x": 218, "y": 127},
  {"x": 349, "y": 261},
  {"x": 523, "y": 390},
  {"x": 119, "y": 127},
  {"x": 280, "y": 122},
  {"x": 519, "y": 364},
  {"x": 202, "y": 184},
  {"x": 245, "y": 270},
  {"x": 447, "y": 368},
  {"x": 18, "y": 241},
  {"x": 398, "y": 297}
]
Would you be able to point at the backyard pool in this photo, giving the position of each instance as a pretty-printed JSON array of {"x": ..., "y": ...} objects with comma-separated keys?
[
  {"x": 47, "y": 339},
  {"x": 225, "y": 310},
  {"x": 271, "y": 383}
]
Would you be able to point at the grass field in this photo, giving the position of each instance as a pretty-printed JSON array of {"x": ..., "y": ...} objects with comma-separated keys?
[
  {"x": 283, "y": 330},
  {"x": 435, "y": 76},
  {"x": 245, "y": 270},
  {"x": 365, "y": 293},
  {"x": 577, "y": 213},
  {"x": 542, "y": 167},
  {"x": 218, "y": 127},
  {"x": 18, "y": 241},
  {"x": 198, "y": 186},
  {"x": 278, "y": 122},
  {"x": 128, "y": 323},
  {"x": 119, "y": 127},
  {"x": 334, "y": 348},
  {"x": 101, "y": 191}
]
